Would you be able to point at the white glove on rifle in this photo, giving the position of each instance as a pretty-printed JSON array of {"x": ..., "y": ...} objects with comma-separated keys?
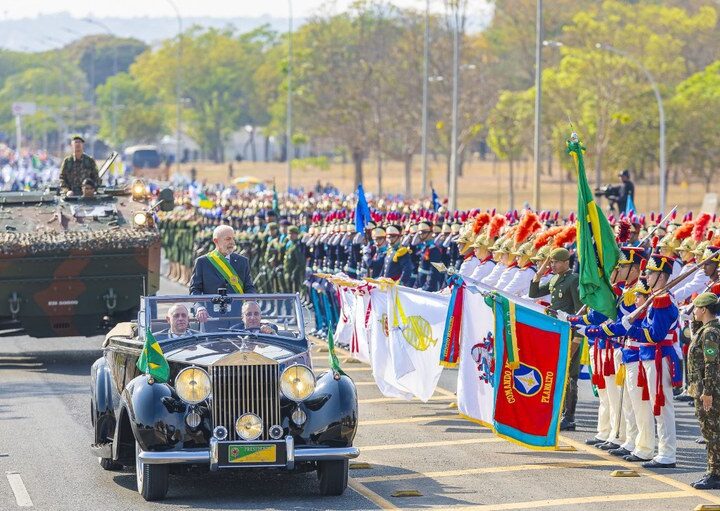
[{"x": 562, "y": 316}]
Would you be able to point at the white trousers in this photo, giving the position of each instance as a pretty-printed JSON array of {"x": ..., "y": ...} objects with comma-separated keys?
[
  {"x": 642, "y": 410},
  {"x": 628, "y": 426},
  {"x": 667, "y": 440},
  {"x": 604, "y": 427}
]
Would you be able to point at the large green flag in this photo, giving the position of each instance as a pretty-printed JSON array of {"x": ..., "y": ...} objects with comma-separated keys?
[
  {"x": 597, "y": 250},
  {"x": 152, "y": 360}
]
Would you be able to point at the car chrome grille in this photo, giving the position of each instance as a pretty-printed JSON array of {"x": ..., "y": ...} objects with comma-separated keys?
[{"x": 245, "y": 389}]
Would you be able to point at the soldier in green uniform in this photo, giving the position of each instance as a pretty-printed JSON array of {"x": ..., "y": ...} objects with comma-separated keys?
[
  {"x": 76, "y": 168},
  {"x": 293, "y": 262},
  {"x": 564, "y": 296},
  {"x": 704, "y": 382}
]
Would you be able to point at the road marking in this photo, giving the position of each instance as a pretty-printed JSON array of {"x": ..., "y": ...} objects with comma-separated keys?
[
  {"x": 22, "y": 497},
  {"x": 370, "y": 495},
  {"x": 715, "y": 499},
  {"x": 535, "y": 504},
  {"x": 408, "y": 420},
  {"x": 483, "y": 470},
  {"x": 401, "y": 401},
  {"x": 462, "y": 441}
]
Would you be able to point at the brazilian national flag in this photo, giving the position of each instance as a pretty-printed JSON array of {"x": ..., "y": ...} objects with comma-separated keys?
[
  {"x": 152, "y": 360},
  {"x": 597, "y": 250}
]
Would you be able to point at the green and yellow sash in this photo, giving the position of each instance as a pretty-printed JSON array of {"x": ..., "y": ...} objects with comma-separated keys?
[{"x": 223, "y": 266}]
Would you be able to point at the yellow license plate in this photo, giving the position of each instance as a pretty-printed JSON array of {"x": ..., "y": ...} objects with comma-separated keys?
[{"x": 258, "y": 453}]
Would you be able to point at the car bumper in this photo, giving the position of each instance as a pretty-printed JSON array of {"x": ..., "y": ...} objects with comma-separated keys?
[{"x": 211, "y": 457}]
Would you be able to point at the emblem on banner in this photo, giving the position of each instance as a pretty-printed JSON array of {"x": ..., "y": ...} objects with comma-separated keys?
[
  {"x": 527, "y": 380},
  {"x": 484, "y": 356}
]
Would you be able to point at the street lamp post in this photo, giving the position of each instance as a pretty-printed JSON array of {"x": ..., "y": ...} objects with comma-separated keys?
[
  {"x": 288, "y": 120},
  {"x": 423, "y": 143},
  {"x": 538, "y": 102},
  {"x": 452, "y": 185},
  {"x": 661, "y": 114},
  {"x": 178, "y": 87}
]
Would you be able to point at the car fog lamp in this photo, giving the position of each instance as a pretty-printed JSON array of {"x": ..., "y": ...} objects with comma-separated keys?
[
  {"x": 249, "y": 426},
  {"x": 138, "y": 189},
  {"x": 193, "y": 419},
  {"x": 276, "y": 432},
  {"x": 140, "y": 218},
  {"x": 299, "y": 417},
  {"x": 297, "y": 382},
  {"x": 192, "y": 385},
  {"x": 220, "y": 432}
]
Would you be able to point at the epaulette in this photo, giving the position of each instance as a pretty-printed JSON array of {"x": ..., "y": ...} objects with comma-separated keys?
[
  {"x": 662, "y": 302},
  {"x": 628, "y": 299}
]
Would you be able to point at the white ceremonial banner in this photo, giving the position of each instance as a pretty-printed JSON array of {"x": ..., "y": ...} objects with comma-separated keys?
[
  {"x": 380, "y": 357},
  {"x": 346, "y": 324},
  {"x": 417, "y": 323},
  {"x": 361, "y": 347},
  {"x": 476, "y": 366}
]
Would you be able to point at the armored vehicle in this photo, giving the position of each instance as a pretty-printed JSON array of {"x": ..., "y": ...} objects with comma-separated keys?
[{"x": 73, "y": 265}]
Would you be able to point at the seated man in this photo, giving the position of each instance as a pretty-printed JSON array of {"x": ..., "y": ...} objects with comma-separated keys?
[
  {"x": 252, "y": 319},
  {"x": 178, "y": 318}
]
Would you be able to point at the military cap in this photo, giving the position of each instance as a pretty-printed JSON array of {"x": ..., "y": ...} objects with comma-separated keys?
[
  {"x": 378, "y": 232},
  {"x": 660, "y": 262},
  {"x": 541, "y": 254},
  {"x": 631, "y": 255},
  {"x": 272, "y": 225},
  {"x": 711, "y": 254},
  {"x": 437, "y": 228},
  {"x": 284, "y": 222},
  {"x": 370, "y": 225},
  {"x": 77, "y": 137},
  {"x": 641, "y": 287},
  {"x": 560, "y": 254},
  {"x": 392, "y": 230},
  {"x": 293, "y": 229},
  {"x": 424, "y": 226},
  {"x": 481, "y": 241},
  {"x": 455, "y": 228},
  {"x": 446, "y": 228},
  {"x": 705, "y": 299},
  {"x": 524, "y": 250}
]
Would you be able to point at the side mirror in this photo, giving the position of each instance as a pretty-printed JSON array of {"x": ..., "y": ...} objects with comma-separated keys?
[{"x": 168, "y": 199}]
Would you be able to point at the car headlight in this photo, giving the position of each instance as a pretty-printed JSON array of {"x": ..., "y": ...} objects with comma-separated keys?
[
  {"x": 249, "y": 426},
  {"x": 193, "y": 385},
  {"x": 140, "y": 218},
  {"x": 138, "y": 189},
  {"x": 297, "y": 382}
]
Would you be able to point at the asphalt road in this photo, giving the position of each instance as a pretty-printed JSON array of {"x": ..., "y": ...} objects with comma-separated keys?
[{"x": 452, "y": 463}]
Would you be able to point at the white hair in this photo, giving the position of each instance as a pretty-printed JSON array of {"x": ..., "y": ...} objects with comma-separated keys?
[
  {"x": 218, "y": 231},
  {"x": 175, "y": 307}
]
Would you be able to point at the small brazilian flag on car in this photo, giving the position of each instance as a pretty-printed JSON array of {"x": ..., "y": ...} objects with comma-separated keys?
[{"x": 152, "y": 360}]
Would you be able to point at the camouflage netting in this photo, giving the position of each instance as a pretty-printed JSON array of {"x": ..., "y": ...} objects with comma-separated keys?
[{"x": 49, "y": 243}]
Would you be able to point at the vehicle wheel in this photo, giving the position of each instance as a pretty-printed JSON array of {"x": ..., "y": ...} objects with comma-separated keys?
[
  {"x": 333, "y": 477},
  {"x": 152, "y": 480},
  {"x": 110, "y": 464}
]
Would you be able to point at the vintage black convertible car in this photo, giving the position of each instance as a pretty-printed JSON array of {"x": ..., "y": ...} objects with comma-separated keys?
[{"x": 238, "y": 396}]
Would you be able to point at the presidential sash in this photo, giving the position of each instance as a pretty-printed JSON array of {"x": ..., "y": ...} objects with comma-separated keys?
[{"x": 222, "y": 265}]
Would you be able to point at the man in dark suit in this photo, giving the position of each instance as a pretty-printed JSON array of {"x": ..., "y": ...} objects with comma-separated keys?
[{"x": 221, "y": 268}]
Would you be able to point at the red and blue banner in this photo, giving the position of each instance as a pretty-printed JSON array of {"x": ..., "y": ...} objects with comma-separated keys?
[{"x": 529, "y": 389}]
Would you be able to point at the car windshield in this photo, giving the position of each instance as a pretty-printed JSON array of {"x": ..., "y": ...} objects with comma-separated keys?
[{"x": 178, "y": 316}]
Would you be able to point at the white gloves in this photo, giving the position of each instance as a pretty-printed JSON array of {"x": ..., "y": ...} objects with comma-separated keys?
[
  {"x": 580, "y": 329},
  {"x": 626, "y": 322},
  {"x": 562, "y": 316}
]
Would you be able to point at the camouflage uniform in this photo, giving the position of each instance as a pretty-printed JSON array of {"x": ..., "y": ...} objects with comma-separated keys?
[
  {"x": 73, "y": 172},
  {"x": 704, "y": 379}
]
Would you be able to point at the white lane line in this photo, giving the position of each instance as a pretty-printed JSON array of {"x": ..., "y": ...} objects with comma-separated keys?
[{"x": 22, "y": 497}]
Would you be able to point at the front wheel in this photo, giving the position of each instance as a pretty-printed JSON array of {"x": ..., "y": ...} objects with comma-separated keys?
[
  {"x": 110, "y": 464},
  {"x": 333, "y": 476},
  {"x": 152, "y": 480}
]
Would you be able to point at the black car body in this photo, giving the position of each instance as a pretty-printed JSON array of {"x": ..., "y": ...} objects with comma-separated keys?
[{"x": 307, "y": 425}]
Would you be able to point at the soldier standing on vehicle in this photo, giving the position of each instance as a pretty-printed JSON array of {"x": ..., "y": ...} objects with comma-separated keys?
[
  {"x": 76, "y": 168},
  {"x": 704, "y": 383}
]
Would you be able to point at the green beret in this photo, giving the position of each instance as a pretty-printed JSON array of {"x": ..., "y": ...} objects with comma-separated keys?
[
  {"x": 705, "y": 299},
  {"x": 77, "y": 137},
  {"x": 560, "y": 254},
  {"x": 272, "y": 225},
  {"x": 293, "y": 229}
]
